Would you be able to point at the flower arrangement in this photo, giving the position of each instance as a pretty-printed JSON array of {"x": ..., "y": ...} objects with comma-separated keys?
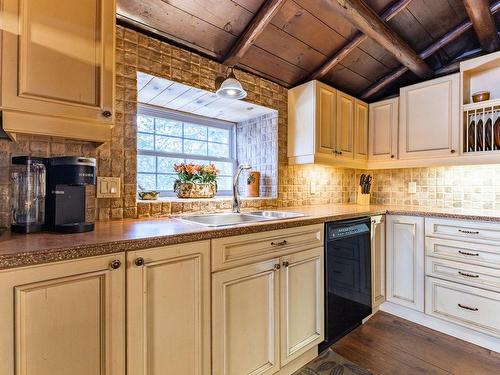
[{"x": 196, "y": 180}]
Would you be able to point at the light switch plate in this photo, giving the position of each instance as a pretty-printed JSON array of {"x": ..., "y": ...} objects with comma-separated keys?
[{"x": 108, "y": 187}]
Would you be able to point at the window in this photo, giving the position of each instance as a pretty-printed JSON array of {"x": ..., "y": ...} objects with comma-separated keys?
[{"x": 165, "y": 138}]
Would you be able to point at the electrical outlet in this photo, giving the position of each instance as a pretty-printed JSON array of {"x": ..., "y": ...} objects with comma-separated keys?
[
  {"x": 412, "y": 187},
  {"x": 312, "y": 187},
  {"x": 108, "y": 187}
]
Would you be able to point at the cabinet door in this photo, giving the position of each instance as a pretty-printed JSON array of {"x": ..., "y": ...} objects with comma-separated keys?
[
  {"x": 345, "y": 126},
  {"x": 325, "y": 119},
  {"x": 383, "y": 130},
  {"x": 245, "y": 308},
  {"x": 302, "y": 303},
  {"x": 429, "y": 124},
  {"x": 168, "y": 306},
  {"x": 405, "y": 261},
  {"x": 64, "y": 318},
  {"x": 60, "y": 63},
  {"x": 360, "y": 130},
  {"x": 378, "y": 260}
]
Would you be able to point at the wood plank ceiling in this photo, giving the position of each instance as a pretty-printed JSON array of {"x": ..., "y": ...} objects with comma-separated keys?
[{"x": 301, "y": 35}]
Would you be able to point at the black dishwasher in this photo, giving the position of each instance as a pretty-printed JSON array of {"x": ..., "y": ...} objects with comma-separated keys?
[{"x": 348, "y": 297}]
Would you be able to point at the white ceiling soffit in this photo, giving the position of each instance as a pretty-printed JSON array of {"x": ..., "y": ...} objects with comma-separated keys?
[{"x": 177, "y": 96}]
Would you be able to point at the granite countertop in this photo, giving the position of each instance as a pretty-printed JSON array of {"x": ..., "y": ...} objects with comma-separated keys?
[{"x": 117, "y": 236}]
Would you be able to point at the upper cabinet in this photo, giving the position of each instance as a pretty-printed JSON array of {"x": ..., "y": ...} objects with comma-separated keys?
[
  {"x": 58, "y": 68},
  {"x": 383, "y": 130},
  {"x": 326, "y": 126},
  {"x": 429, "y": 121}
]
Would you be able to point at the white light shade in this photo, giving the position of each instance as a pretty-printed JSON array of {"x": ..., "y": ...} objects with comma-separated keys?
[{"x": 231, "y": 89}]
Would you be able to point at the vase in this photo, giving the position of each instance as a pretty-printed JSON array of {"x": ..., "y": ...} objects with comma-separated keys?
[
  {"x": 195, "y": 189},
  {"x": 253, "y": 184}
]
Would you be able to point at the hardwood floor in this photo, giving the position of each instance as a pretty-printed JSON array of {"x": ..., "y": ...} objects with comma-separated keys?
[{"x": 387, "y": 344}]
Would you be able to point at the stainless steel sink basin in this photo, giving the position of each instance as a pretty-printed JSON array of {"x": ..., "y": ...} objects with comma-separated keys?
[{"x": 224, "y": 219}]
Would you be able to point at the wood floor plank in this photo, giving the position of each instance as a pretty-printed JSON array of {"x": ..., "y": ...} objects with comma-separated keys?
[{"x": 387, "y": 344}]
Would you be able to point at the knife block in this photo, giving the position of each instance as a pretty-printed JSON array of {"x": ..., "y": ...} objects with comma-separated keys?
[{"x": 362, "y": 199}]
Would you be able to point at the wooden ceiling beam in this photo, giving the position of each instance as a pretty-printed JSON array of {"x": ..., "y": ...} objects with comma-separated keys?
[
  {"x": 368, "y": 22},
  {"x": 434, "y": 47},
  {"x": 483, "y": 24},
  {"x": 259, "y": 22},
  {"x": 341, "y": 54}
]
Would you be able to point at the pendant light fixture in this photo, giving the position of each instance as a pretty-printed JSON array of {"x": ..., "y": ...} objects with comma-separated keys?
[{"x": 230, "y": 88}]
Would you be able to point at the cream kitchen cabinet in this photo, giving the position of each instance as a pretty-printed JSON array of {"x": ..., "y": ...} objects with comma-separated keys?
[
  {"x": 267, "y": 315},
  {"x": 429, "y": 119},
  {"x": 383, "y": 130},
  {"x": 326, "y": 126},
  {"x": 58, "y": 68},
  {"x": 405, "y": 261},
  {"x": 64, "y": 318},
  {"x": 360, "y": 130},
  {"x": 378, "y": 260},
  {"x": 168, "y": 310}
]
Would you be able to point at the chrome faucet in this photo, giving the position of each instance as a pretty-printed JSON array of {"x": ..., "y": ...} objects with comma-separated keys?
[{"x": 236, "y": 195}]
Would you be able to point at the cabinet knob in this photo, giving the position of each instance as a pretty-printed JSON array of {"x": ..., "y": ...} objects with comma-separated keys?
[
  {"x": 340, "y": 152},
  {"x": 286, "y": 263},
  {"x": 115, "y": 264},
  {"x": 277, "y": 266},
  {"x": 139, "y": 261},
  {"x": 106, "y": 114},
  {"x": 452, "y": 151},
  {"x": 392, "y": 156},
  {"x": 281, "y": 243}
]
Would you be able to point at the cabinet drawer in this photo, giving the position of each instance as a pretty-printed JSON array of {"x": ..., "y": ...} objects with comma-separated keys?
[
  {"x": 474, "y": 231},
  {"x": 482, "y": 277},
  {"x": 465, "y": 305},
  {"x": 235, "y": 251},
  {"x": 471, "y": 253}
]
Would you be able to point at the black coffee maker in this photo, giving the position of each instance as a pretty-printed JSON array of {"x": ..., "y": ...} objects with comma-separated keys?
[{"x": 65, "y": 209}]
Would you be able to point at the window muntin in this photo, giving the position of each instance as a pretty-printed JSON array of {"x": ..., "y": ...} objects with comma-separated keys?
[{"x": 165, "y": 138}]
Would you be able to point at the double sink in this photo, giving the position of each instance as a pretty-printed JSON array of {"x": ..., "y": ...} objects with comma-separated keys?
[{"x": 224, "y": 219}]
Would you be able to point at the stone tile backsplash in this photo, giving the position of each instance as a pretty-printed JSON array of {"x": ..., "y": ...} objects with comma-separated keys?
[{"x": 475, "y": 186}]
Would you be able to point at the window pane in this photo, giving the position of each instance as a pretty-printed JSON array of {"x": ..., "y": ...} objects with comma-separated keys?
[
  {"x": 217, "y": 149},
  {"x": 145, "y": 124},
  {"x": 194, "y": 161},
  {"x": 166, "y": 182},
  {"x": 195, "y": 147},
  {"x": 224, "y": 168},
  {"x": 224, "y": 183},
  {"x": 195, "y": 131},
  {"x": 168, "y": 144},
  {"x": 145, "y": 141},
  {"x": 166, "y": 165},
  {"x": 218, "y": 135},
  {"x": 168, "y": 127},
  {"x": 146, "y": 181},
  {"x": 146, "y": 163}
]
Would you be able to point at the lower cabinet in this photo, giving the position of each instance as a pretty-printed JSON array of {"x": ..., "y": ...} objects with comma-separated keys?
[
  {"x": 268, "y": 313},
  {"x": 405, "y": 261},
  {"x": 64, "y": 318},
  {"x": 378, "y": 260},
  {"x": 168, "y": 310}
]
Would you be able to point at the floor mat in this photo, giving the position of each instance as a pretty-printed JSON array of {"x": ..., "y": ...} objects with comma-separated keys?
[{"x": 330, "y": 363}]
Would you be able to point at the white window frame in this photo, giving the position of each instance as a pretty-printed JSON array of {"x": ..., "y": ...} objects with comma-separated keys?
[{"x": 148, "y": 110}]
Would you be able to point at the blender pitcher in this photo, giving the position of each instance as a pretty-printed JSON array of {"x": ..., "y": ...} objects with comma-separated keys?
[{"x": 28, "y": 182}]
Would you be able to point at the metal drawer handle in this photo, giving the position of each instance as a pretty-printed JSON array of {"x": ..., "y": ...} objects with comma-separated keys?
[
  {"x": 281, "y": 243},
  {"x": 466, "y": 253},
  {"x": 468, "y": 231},
  {"x": 467, "y": 307},
  {"x": 467, "y": 274}
]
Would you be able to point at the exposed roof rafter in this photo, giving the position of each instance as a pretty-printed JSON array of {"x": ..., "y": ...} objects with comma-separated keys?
[
  {"x": 341, "y": 54},
  {"x": 483, "y": 23},
  {"x": 368, "y": 22},
  {"x": 434, "y": 47},
  {"x": 259, "y": 22}
]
